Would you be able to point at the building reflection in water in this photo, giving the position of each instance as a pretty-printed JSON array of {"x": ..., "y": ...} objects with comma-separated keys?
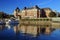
[
  {"x": 8, "y": 26},
  {"x": 31, "y": 29},
  {"x": 2, "y": 27},
  {"x": 26, "y": 29}
]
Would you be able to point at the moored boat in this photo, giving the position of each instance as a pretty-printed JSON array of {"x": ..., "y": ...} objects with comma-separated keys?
[
  {"x": 13, "y": 21},
  {"x": 2, "y": 22}
]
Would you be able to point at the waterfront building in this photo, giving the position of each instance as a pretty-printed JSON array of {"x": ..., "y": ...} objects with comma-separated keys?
[
  {"x": 37, "y": 18},
  {"x": 32, "y": 12}
]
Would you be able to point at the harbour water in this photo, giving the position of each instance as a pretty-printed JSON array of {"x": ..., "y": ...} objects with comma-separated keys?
[{"x": 8, "y": 32}]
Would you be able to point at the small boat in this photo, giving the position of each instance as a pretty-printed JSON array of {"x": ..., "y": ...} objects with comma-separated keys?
[
  {"x": 13, "y": 22},
  {"x": 2, "y": 22}
]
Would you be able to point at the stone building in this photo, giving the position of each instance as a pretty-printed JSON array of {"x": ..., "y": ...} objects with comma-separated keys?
[
  {"x": 32, "y": 12},
  {"x": 47, "y": 11}
]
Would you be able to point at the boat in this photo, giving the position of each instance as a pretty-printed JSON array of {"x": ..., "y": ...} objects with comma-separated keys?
[
  {"x": 13, "y": 21},
  {"x": 2, "y": 22}
]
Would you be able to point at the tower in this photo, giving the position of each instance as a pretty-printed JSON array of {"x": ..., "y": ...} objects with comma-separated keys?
[{"x": 16, "y": 11}]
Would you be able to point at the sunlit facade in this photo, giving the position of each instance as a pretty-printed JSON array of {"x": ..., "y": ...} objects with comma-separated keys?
[{"x": 32, "y": 12}]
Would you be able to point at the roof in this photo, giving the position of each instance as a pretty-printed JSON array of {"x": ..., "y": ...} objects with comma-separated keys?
[
  {"x": 46, "y": 8},
  {"x": 32, "y": 7},
  {"x": 17, "y": 9}
]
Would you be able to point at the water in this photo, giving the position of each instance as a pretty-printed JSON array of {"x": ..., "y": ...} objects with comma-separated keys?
[{"x": 7, "y": 32}]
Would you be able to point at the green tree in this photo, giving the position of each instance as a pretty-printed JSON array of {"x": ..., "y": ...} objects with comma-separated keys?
[
  {"x": 4, "y": 15},
  {"x": 11, "y": 16},
  {"x": 52, "y": 14},
  {"x": 1, "y": 14}
]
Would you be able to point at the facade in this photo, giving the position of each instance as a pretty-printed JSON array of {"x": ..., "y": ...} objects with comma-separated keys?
[
  {"x": 33, "y": 12},
  {"x": 47, "y": 11},
  {"x": 30, "y": 13}
]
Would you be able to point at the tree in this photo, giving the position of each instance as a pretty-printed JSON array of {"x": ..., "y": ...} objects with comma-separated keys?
[
  {"x": 1, "y": 14},
  {"x": 52, "y": 14},
  {"x": 4, "y": 15},
  {"x": 11, "y": 16}
]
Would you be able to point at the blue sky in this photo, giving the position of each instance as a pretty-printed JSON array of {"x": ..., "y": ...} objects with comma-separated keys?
[{"x": 8, "y": 6}]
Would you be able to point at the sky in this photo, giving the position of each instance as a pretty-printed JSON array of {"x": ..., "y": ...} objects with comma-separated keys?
[{"x": 8, "y": 6}]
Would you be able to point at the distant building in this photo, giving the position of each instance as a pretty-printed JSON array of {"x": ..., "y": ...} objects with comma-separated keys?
[{"x": 33, "y": 12}]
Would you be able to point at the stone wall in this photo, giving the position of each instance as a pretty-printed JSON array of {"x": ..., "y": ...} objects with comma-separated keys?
[{"x": 42, "y": 22}]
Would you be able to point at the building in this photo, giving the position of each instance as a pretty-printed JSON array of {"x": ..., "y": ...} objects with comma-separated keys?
[
  {"x": 47, "y": 11},
  {"x": 32, "y": 12}
]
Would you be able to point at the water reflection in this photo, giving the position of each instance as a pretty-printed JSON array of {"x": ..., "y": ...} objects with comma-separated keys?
[
  {"x": 2, "y": 27},
  {"x": 13, "y": 32}
]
